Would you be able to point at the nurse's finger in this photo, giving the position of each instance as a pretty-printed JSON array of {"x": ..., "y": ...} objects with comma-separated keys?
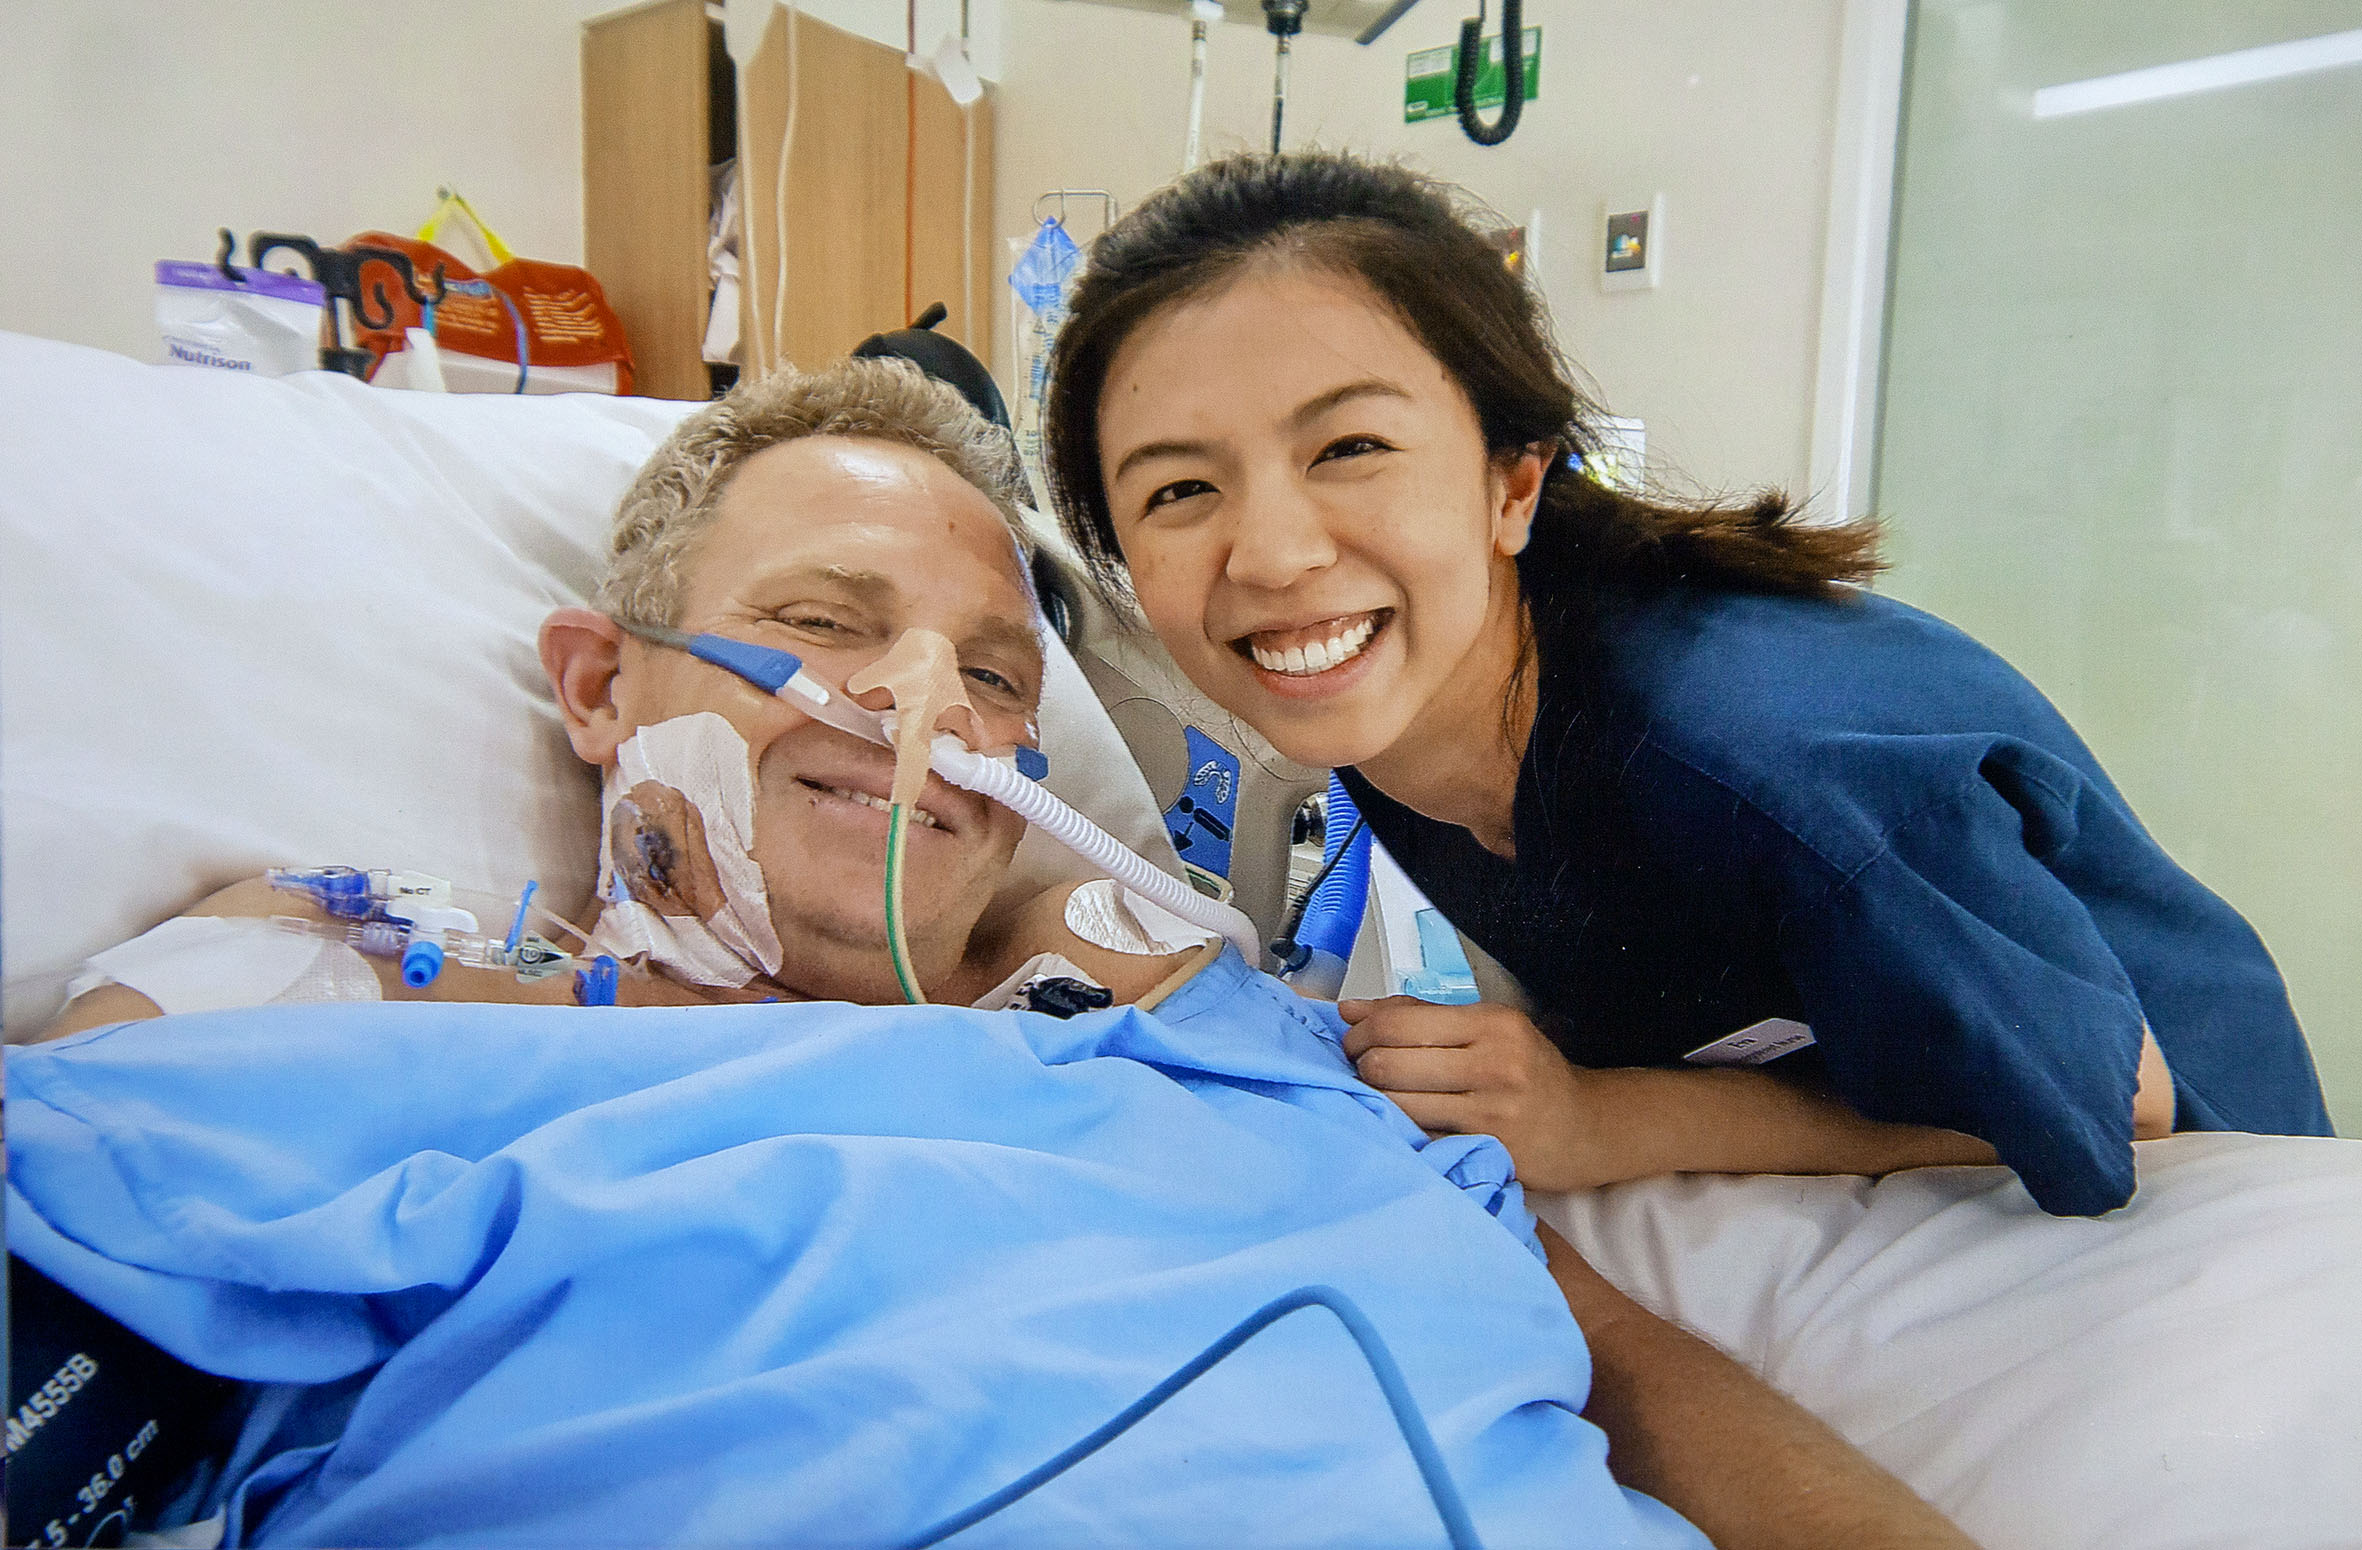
[
  {"x": 1354, "y": 1008},
  {"x": 1440, "y": 1114},
  {"x": 1405, "y": 1020},
  {"x": 1417, "y": 1069}
]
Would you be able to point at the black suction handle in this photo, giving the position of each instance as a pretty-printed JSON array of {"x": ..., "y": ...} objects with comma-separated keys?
[{"x": 339, "y": 272}]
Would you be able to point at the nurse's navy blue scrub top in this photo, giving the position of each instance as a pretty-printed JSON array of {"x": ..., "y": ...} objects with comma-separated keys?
[{"x": 1844, "y": 811}]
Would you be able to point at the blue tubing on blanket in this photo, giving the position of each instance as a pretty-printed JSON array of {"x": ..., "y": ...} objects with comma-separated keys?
[{"x": 808, "y": 1274}]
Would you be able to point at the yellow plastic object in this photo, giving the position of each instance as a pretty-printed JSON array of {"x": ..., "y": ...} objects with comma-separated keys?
[{"x": 449, "y": 204}]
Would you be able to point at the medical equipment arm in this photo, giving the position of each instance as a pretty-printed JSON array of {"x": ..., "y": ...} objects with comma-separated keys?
[{"x": 1749, "y": 1466}]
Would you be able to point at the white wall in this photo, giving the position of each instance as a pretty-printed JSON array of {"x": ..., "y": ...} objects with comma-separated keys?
[
  {"x": 1725, "y": 109},
  {"x": 134, "y": 128}
]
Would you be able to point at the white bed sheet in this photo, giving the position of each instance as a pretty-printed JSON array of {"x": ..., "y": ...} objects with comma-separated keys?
[{"x": 2184, "y": 1373}]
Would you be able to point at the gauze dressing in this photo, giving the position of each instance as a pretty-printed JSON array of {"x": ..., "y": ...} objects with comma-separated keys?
[
  {"x": 1104, "y": 913},
  {"x": 676, "y": 855}
]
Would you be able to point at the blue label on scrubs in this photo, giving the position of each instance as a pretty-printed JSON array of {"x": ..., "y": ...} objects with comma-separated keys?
[{"x": 1201, "y": 817}]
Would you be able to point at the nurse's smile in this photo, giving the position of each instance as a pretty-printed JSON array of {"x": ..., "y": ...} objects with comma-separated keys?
[{"x": 1315, "y": 658}]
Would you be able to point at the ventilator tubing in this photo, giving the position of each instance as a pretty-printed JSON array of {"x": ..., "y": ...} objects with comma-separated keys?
[{"x": 1039, "y": 806}]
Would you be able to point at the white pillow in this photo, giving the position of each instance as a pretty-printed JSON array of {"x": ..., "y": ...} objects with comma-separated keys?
[{"x": 250, "y": 622}]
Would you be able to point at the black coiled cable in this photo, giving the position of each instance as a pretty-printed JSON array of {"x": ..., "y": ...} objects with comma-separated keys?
[{"x": 1512, "y": 73}]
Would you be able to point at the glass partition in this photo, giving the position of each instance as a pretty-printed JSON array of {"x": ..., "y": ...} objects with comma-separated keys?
[{"x": 2121, "y": 431}]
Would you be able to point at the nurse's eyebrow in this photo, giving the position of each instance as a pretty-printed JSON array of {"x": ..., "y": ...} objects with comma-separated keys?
[
  {"x": 1299, "y": 417},
  {"x": 1151, "y": 450},
  {"x": 1368, "y": 387}
]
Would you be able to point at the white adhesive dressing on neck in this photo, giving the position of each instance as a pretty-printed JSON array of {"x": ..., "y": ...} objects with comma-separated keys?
[
  {"x": 1104, "y": 913},
  {"x": 676, "y": 855}
]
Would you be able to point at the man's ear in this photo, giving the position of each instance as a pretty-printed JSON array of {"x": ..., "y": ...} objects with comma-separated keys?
[
  {"x": 582, "y": 650},
  {"x": 1516, "y": 495}
]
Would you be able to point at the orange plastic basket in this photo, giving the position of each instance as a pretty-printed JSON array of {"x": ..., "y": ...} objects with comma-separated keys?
[{"x": 558, "y": 309}]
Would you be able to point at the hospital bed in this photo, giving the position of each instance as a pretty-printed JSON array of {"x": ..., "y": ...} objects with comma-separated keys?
[{"x": 251, "y": 623}]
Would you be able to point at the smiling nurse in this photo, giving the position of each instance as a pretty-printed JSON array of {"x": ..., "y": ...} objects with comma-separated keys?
[{"x": 1670, "y": 764}]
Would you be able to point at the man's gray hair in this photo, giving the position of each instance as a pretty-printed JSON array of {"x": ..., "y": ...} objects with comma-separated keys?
[{"x": 673, "y": 499}]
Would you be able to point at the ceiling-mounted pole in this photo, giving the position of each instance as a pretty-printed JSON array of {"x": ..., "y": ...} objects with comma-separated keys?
[
  {"x": 1284, "y": 18},
  {"x": 1202, "y": 15}
]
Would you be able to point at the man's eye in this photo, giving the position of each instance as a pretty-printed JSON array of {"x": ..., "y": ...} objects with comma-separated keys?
[
  {"x": 1178, "y": 490},
  {"x": 812, "y": 624},
  {"x": 996, "y": 682},
  {"x": 1351, "y": 446}
]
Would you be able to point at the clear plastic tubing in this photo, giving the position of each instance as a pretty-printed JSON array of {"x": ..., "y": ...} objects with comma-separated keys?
[
  {"x": 1038, "y": 805},
  {"x": 1041, "y": 807}
]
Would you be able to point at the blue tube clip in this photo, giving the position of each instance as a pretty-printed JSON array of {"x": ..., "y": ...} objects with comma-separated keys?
[
  {"x": 766, "y": 667},
  {"x": 595, "y": 986}
]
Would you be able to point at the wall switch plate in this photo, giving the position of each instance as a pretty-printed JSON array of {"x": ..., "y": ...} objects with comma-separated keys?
[{"x": 1632, "y": 245}]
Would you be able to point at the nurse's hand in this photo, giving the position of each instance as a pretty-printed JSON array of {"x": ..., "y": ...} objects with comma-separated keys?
[{"x": 1484, "y": 1070}]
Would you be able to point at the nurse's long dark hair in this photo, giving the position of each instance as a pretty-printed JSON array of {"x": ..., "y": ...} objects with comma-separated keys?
[{"x": 1407, "y": 238}]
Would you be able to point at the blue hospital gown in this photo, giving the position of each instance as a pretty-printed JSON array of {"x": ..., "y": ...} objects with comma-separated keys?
[{"x": 808, "y": 1274}]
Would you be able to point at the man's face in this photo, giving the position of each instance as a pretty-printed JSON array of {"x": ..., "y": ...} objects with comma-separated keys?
[{"x": 831, "y": 547}]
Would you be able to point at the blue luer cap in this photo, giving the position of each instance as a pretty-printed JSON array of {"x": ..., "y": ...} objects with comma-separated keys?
[
  {"x": 766, "y": 667},
  {"x": 421, "y": 962}
]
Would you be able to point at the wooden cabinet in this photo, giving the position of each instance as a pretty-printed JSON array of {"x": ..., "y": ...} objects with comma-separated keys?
[{"x": 888, "y": 189}]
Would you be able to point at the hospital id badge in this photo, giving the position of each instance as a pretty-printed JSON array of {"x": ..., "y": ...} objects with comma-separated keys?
[{"x": 1754, "y": 1045}]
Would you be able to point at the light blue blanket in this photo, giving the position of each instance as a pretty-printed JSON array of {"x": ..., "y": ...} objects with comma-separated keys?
[{"x": 809, "y": 1275}]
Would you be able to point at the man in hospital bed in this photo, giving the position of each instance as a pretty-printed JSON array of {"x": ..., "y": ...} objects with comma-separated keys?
[{"x": 739, "y": 1275}]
